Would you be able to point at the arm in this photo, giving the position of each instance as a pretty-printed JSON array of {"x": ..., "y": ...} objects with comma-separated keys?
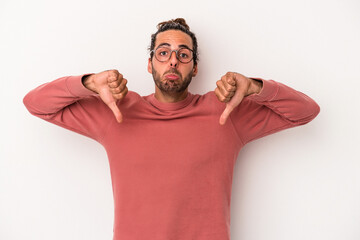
[
  {"x": 68, "y": 103},
  {"x": 267, "y": 109},
  {"x": 275, "y": 108}
]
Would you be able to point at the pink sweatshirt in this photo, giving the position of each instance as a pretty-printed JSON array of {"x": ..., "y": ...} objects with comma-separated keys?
[{"x": 171, "y": 163}]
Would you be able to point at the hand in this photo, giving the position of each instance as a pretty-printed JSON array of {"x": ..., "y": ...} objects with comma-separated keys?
[
  {"x": 232, "y": 88},
  {"x": 111, "y": 86}
]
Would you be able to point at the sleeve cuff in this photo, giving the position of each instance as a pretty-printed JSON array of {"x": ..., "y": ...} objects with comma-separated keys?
[
  {"x": 76, "y": 87},
  {"x": 267, "y": 93}
]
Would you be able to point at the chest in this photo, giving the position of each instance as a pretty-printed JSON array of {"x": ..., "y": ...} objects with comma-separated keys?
[{"x": 176, "y": 142}]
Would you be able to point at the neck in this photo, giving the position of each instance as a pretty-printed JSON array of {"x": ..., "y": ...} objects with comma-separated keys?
[{"x": 170, "y": 97}]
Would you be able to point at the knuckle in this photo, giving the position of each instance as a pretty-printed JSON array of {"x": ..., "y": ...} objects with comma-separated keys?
[
  {"x": 123, "y": 82},
  {"x": 125, "y": 91},
  {"x": 114, "y": 71},
  {"x": 116, "y": 90},
  {"x": 113, "y": 84},
  {"x": 111, "y": 78},
  {"x": 111, "y": 73},
  {"x": 120, "y": 94},
  {"x": 218, "y": 95},
  {"x": 229, "y": 88},
  {"x": 227, "y": 80},
  {"x": 117, "y": 96}
]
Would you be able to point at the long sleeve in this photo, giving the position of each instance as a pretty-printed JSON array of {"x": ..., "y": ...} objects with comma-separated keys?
[
  {"x": 67, "y": 103},
  {"x": 275, "y": 108}
]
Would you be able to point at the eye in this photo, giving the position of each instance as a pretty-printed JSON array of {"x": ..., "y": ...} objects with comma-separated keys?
[
  {"x": 184, "y": 55},
  {"x": 162, "y": 52}
]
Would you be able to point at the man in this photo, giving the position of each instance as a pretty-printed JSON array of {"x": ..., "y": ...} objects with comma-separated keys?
[{"x": 171, "y": 153}]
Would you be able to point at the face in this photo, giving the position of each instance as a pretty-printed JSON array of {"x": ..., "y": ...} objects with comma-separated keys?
[{"x": 172, "y": 76}]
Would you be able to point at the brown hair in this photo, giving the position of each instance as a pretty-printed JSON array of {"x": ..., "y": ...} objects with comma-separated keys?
[{"x": 175, "y": 24}]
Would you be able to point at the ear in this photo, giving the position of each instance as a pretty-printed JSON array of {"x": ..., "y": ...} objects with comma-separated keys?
[
  {"x": 149, "y": 68},
  {"x": 195, "y": 70}
]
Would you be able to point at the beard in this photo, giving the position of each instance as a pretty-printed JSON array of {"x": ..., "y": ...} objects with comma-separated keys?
[{"x": 172, "y": 86}]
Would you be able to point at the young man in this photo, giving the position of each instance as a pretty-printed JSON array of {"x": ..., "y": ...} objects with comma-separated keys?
[{"x": 171, "y": 153}]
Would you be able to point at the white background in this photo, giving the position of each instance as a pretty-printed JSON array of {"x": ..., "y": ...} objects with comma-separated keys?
[{"x": 302, "y": 183}]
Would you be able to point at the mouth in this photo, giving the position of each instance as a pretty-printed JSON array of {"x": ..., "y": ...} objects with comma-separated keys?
[{"x": 172, "y": 77}]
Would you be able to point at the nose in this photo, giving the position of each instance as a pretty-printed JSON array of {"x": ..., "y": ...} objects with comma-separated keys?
[{"x": 174, "y": 62}]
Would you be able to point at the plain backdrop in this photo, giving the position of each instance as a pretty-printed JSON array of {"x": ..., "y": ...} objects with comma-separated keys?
[{"x": 302, "y": 183}]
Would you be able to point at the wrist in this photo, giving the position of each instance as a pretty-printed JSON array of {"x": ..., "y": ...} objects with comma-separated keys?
[
  {"x": 255, "y": 86},
  {"x": 87, "y": 81}
]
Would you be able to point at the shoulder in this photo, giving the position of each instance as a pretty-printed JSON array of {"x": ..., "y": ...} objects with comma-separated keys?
[
  {"x": 209, "y": 100},
  {"x": 131, "y": 96},
  {"x": 133, "y": 99},
  {"x": 206, "y": 97}
]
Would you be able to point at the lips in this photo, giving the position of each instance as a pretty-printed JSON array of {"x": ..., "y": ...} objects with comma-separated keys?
[{"x": 172, "y": 77}]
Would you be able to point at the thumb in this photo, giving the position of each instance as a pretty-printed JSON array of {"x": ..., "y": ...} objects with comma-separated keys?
[
  {"x": 224, "y": 116},
  {"x": 234, "y": 102},
  {"x": 110, "y": 101},
  {"x": 114, "y": 108}
]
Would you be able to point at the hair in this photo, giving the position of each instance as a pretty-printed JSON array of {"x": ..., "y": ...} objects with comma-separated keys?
[{"x": 175, "y": 24}]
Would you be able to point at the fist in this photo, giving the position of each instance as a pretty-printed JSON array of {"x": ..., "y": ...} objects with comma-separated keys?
[
  {"x": 111, "y": 86},
  {"x": 232, "y": 88}
]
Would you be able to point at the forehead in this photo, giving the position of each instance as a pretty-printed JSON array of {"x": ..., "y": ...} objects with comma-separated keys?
[{"x": 174, "y": 38}]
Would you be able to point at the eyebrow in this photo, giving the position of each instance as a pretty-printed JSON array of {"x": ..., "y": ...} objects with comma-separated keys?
[{"x": 168, "y": 45}]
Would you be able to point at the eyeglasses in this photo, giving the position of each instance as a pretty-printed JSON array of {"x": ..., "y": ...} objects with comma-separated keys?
[{"x": 163, "y": 54}]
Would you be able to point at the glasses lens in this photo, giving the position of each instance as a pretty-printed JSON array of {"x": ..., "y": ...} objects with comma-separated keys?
[
  {"x": 162, "y": 54},
  {"x": 184, "y": 55}
]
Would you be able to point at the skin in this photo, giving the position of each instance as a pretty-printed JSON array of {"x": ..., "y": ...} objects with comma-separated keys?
[
  {"x": 230, "y": 89},
  {"x": 111, "y": 86},
  {"x": 165, "y": 89}
]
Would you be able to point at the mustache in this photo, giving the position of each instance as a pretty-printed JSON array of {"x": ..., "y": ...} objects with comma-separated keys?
[{"x": 173, "y": 71}]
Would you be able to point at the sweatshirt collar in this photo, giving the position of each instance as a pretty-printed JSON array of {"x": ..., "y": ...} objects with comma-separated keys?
[{"x": 170, "y": 106}]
